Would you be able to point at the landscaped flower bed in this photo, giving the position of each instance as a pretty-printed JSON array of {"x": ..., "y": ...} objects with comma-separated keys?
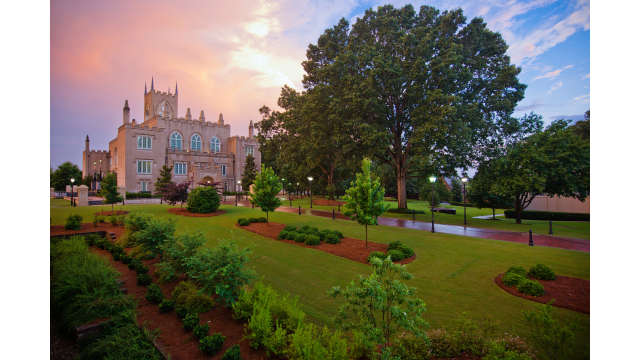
[{"x": 186, "y": 212}]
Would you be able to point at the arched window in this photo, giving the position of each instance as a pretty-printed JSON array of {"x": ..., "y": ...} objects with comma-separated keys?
[
  {"x": 215, "y": 145},
  {"x": 196, "y": 142},
  {"x": 175, "y": 141}
]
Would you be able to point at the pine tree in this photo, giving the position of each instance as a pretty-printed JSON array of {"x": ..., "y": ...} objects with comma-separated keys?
[
  {"x": 265, "y": 191},
  {"x": 249, "y": 173},
  {"x": 163, "y": 181},
  {"x": 365, "y": 199},
  {"x": 109, "y": 189}
]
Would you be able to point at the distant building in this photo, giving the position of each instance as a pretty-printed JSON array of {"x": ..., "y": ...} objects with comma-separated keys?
[{"x": 198, "y": 150}]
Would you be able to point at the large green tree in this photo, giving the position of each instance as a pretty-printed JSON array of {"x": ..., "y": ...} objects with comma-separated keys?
[
  {"x": 249, "y": 173},
  {"x": 265, "y": 191},
  {"x": 482, "y": 192},
  {"x": 61, "y": 177},
  {"x": 109, "y": 189}
]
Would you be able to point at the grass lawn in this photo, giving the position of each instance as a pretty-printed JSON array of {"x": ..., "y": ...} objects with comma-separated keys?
[
  {"x": 453, "y": 274},
  {"x": 572, "y": 229}
]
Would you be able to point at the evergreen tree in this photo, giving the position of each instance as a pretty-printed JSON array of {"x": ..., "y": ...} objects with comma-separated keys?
[
  {"x": 265, "y": 191},
  {"x": 365, "y": 199},
  {"x": 162, "y": 185},
  {"x": 109, "y": 189},
  {"x": 249, "y": 173}
]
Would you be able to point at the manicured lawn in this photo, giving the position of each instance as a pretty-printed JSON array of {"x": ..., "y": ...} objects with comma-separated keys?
[
  {"x": 572, "y": 229},
  {"x": 453, "y": 274}
]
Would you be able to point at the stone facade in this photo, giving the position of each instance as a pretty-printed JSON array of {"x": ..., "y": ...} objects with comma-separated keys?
[
  {"x": 199, "y": 150},
  {"x": 95, "y": 163}
]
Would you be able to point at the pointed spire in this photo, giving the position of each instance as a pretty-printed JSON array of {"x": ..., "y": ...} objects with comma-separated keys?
[
  {"x": 152, "y": 84},
  {"x": 145, "y": 88},
  {"x": 188, "y": 116},
  {"x": 176, "y": 93},
  {"x": 220, "y": 120},
  {"x": 87, "y": 139},
  {"x": 126, "y": 104},
  {"x": 201, "y": 115}
]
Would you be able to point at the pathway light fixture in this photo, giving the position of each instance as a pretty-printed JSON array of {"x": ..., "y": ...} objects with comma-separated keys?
[
  {"x": 432, "y": 180},
  {"x": 310, "y": 178},
  {"x": 464, "y": 198}
]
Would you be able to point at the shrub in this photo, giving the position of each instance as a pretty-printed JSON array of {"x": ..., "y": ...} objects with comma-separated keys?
[
  {"x": 376, "y": 254},
  {"x": 200, "y": 331},
  {"x": 312, "y": 240},
  {"x": 154, "y": 294},
  {"x": 283, "y": 234},
  {"x": 137, "y": 221},
  {"x": 300, "y": 237},
  {"x": 166, "y": 305},
  {"x": 498, "y": 351},
  {"x": 547, "y": 215},
  {"x": 512, "y": 279},
  {"x": 232, "y": 353},
  {"x": 203, "y": 200},
  {"x": 126, "y": 259},
  {"x": 188, "y": 299},
  {"x": 259, "y": 220},
  {"x": 338, "y": 234},
  {"x": 305, "y": 344},
  {"x": 113, "y": 219},
  {"x": 243, "y": 222},
  {"x": 74, "y": 222},
  {"x": 144, "y": 279},
  {"x": 190, "y": 321},
  {"x": 552, "y": 339},
  {"x": 412, "y": 348},
  {"x": 291, "y": 235},
  {"x": 541, "y": 272},
  {"x": 531, "y": 287},
  {"x": 332, "y": 239},
  {"x": 276, "y": 343},
  {"x": 212, "y": 344},
  {"x": 397, "y": 245},
  {"x": 140, "y": 268},
  {"x": 290, "y": 228},
  {"x": 155, "y": 234},
  {"x": 92, "y": 239},
  {"x": 517, "y": 270},
  {"x": 396, "y": 255}
]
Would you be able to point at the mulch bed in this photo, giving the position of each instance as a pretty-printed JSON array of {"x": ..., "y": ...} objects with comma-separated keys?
[
  {"x": 185, "y": 212},
  {"x": 327, "y": 202},
  {"x": 109, "y": 213},
  {"x": 566, "y": 292},
  {"x": 352, "y": 249}
]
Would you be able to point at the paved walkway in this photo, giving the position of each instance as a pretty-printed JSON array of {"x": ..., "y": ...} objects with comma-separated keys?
[
  {"x": 487, "y": 217},
  {"x": 512, "y": 236}
]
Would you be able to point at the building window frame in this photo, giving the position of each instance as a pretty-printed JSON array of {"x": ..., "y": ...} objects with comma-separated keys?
[
  {"x": 175, "y": 141},
  {"x": 223, "y": 169},
  {"x": 196, "y": 142},
  {"x": 248, "y": 150},
  {"x": 180, "y": 168},
  {"x": 214, "y": 145},
  {"x": 144, "y": 186},
  {"x": 144, "y": 142},
  {"x": 144, "y": 167}
]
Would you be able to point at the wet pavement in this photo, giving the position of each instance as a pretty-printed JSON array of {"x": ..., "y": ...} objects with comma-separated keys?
[{"x": 512, "y": 236}]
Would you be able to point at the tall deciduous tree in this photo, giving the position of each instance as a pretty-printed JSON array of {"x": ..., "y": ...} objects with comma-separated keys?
[
  {"x": 265, "y": 191},
  {"x": 109, "y": 189},
  {"x": 482, "y": 192},
  {"x": 249, "y": 172},
  {"x": 163, "y": 182},
  {"x": 364, "y": 200},
  {"x": 61, "y": 177}
]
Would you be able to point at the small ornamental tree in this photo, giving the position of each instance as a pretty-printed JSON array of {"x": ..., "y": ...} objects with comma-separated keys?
[
  {"x": 177, "y": 193},
  {"x": 364, "y": 200},
  {"x": 381, "y": 305},
  {"x": 203, "y": 200},
  {"x": 265, "y": 190},
  {"x": 163, "y": 183},
  {"x": 109, "y": 189},
  {"x": 250, "y": 172}
]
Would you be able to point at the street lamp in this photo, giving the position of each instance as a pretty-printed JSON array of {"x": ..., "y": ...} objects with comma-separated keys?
[
  {"x": 310, "y": 193},
  {"x": 289, "y": 193},
  {"x": 464, "y": 198},
  {"x": 432, "y": 180},
  {"x": 298, "y": 189},
  {"x": 72, "y": 181},
  {"x": 237, "y": 187},
  {"x": 283, "y": 180}
]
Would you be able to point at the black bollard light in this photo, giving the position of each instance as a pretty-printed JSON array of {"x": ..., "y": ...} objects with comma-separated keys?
[
  {"x": 333, "y": 213},
  {"x": 530, "y": 238},
  {"x": 299, "y": 210},
  {"x": 413, "y": 213},
  {"x": 550, "y": 227}
]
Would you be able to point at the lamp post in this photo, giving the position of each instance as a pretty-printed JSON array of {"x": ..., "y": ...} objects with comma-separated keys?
[
  {"x": 283, "y": 180},
  {"x": 432, "y": 180},
  {"x": 237, "y": 187},
  {"x": 298, "y": 189},
  {"x": 464, "y": 198},
  {"x": 310, "y": 193},
  {"x": 72, "y": 181},
  {"x": 289, "y": 193}
]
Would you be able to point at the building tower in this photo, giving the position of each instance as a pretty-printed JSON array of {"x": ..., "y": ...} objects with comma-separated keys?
[
  {"x": 220, "y": 120},
  {"x": 161, "y": 104},
  {"x": 125, "y": 113},
  {"x": 250, "y": 128}
]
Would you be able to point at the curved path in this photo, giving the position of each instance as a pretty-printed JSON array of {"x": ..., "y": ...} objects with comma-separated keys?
[{"x": 512, "y": 236}]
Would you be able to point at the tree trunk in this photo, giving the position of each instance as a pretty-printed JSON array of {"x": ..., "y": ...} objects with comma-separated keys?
[
  {"x": 494, "y": 213},
  {"x": 267, "y": 216},
  {"x": 401, "y": 178},
  {"x": 518, "y": 210}
]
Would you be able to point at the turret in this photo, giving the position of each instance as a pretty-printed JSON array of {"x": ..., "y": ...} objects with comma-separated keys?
[
  {"x": 86, "y": 145},
  {"x": 152, "y": 84},
  {"x": 188, "y": 115},
  {"x": 201, "y": 115},
  {"x": 176, "y": 93},
  {"x": 220, "y": 120},
  {"x": 125, "y": 112},
  {"x": 250, "y": 128}
]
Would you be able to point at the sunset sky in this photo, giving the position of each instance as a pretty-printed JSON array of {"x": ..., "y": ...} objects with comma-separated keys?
[{"x": 232, "y": 57}]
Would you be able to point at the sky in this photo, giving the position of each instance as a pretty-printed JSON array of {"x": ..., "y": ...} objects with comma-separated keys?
[{"x": 232, "y": 57}]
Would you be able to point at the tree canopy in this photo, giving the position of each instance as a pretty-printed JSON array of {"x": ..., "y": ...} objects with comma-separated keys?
[
  {"x": 163, "y": 182},
  {"x": 61, "y": 177},
  {"x": 249, "y": 173},
  {"x": 109, "y": 189},
  {"x": 265, "y": 191}
]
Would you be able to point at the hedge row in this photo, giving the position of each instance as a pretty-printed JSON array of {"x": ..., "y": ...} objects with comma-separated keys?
[
  {"x": 310, "y": 235},
  {"x": 405, "y": 211},
  {"x": 141, "y": 195},
  {"x": 547, "y": 215},
  {"x": 247, "y": 221}
]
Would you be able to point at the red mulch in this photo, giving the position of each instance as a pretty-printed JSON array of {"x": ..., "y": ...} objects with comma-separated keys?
[
  {"x": 185, "y": 212},
  {"x": 86, "y": 228},
  {"x": 327, "y": 202},
  {"x": 109, "y": 213},
  {"x": 566, "y": 292},
  {"x": 352, "y": 249}
]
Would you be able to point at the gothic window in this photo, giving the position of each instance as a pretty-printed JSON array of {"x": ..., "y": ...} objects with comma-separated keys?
[
  {"x": 196, "y": 142},
  {"x": 215, "y": 145},
  {"x": 144, "y": 142},
  {"x": 164, "y": 110},
  {"x": 224, "y": 170},
  {"x": 176, "y": 141},
  {"x": 249, "y": 150},
  {"x": 180, "y": 168}
]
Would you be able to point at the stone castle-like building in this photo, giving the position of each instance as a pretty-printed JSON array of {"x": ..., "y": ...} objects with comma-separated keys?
[{"x": 199, "y": 151}]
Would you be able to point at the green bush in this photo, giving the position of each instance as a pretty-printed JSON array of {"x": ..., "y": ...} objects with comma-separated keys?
[
  {"x": 300, "y": 237},
  {"x": 396, "y": 255},
  {"x": 200, "y": 331},
  {"x": 376, "y": 254},
  {"x": 232, "y": 353},
  {"x": 188, "y": 299},
  {"x": 498, "y": 351},
  {"x": 166, "y": 305},
  {"x": 141, "y": 268},
  {"x": 212, "y": 344},
  {"x": 332, "y": 239},
  {"x": 512, "y": 279},
  {"x": 137, "y": 221},
  {"x": 517, "y": 270},
  {"x": 154, "y": 294},
  {"x": 338, "y": 234},
  {"x": 405, "y": 211},
  {"x": 290, "y": 228},
  {"x": 263, "y": 300},
  {"x": 547, "y": 215},
  {"x": 74, "y": 222},
  {"x": 541, "y": 272},
  {"x": 312, "y": 240},
  {"x": 155, "y": 234},
  {"x": 243, "y": 222},
  {"x": 144, "y": 279},
  {"x": 190, "y": 321},
  {"x": 203, "y": 200},
  {"x": 291, "y": 235},
  {"x": 276, "y": 343},
  {"x": 551, "y": 338},
  {"x": 123, "y": 340},
  {"x": 283, "y": 234},
  {"x": 531, "y": 287},
  {"x": 397, "y": 245},
  {"x": 412, "y": 348},
  {"x": 126, "y": 259},
  {"x": 259, "y": 220}
]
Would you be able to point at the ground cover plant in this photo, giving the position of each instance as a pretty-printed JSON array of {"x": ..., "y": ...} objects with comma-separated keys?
[
  {"x": 251, "y": 220},
  {"x": 311, "y": 235},
  {"x": 74, "y": 222},
  {"x": 203, "y": 200},
  {"x": 396, "y": 250}
]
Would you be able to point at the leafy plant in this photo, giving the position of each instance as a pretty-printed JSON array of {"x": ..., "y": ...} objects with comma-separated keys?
[
  {"x": 74, "y": 222},
  {"x": 190, "y": 321},
  {"x": 200, "y": 331},
  {"x": 376, "y": 254},
  {"x": 203, "y": 200},
  {"x": 542, "y": 272},
  {"x": 265, "y": 191},
  {"x": 300, "y": 237},
  {"x": 212, "y": 344},
  {"x": 154, "y": 294},
  {"x": 396, "y": 255},
  {"x": 531, "y": 287},
  {"x": 283, "y": 234},
  {"x": 188, "y": 299},
  {"x": 232, "y": 353},
  {"x": 155, "y": 234},
  {"x": 109, "y": 189},
  {"x": 143, "y": 279},
  {"x": 551, "y": 338},
  {"x": 512, "y": 279},
  {"x": 517, "y": 270},
  {"x": 289, "y": 228},
  {"x": 312, "y": 240},
  {"x": 243, "y": 222},
  {"x": 406, "y": 250},
  {"x": 166, "y": 305}
]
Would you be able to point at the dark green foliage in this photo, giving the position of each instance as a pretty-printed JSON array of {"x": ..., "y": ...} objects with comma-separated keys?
[
  {"x": 63, "y": 174},
  {"x": 123, "y": 340},
  {"x": 200, "y": 331},
  {"x": 518, "y": 270},
  {"x": 265, "y": 191},
  {"x": 531, "y": 287},
  {"x": 332, "y": 238},
  {"x": 405, "y": 211},
  {"x": 396, "y": 255},
  {"x": 250, "y": 173},
  {"x": 93, "y": 239},
  {"x": 190, "y": 321},
  {"x": 412, "y": 348},
  {"x": 289, "y": 228},
  {"x": 541, "y": 272},
  {"x": 156, "y": 232},
  {"x": 166, "y": 305},
  {"x": 283, "y": 234},
  {"x": 188, "y": 299},
  {"x": 126, "y": 259},
  {"x": 300, "y": 237},
  {"x": 142, "y": 195},
  {"x": 547, "y": 215},
  {"x": 243, "y": 222},
  {"x": 498, "y": 351},
  {"x": 212, "y": 343},
  {"x": 406, "y": 251},
  {"x": 232, "y": 353},
  {"x": 261, "y": 219},
  {"x": 176, "y": 254},
  {"x": 203, "y": 200},
  {"x": 312, "y": 240},
  {"x": 376, "y": 254},
  {"x": 512, "y": 279},
  {"x": 143, "y": 279},
  {"x": 551, "y": 338},
  {"x": 263, "y": 301},
  {"x": 74, "y": 222},
  {"x": 291, "y": 235},
  {"x": 161, "y": 185},
  {"x": 109, "y": 189},
  {"x": 154, "y": 294},
  {"x": 140, "y": 268}
]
